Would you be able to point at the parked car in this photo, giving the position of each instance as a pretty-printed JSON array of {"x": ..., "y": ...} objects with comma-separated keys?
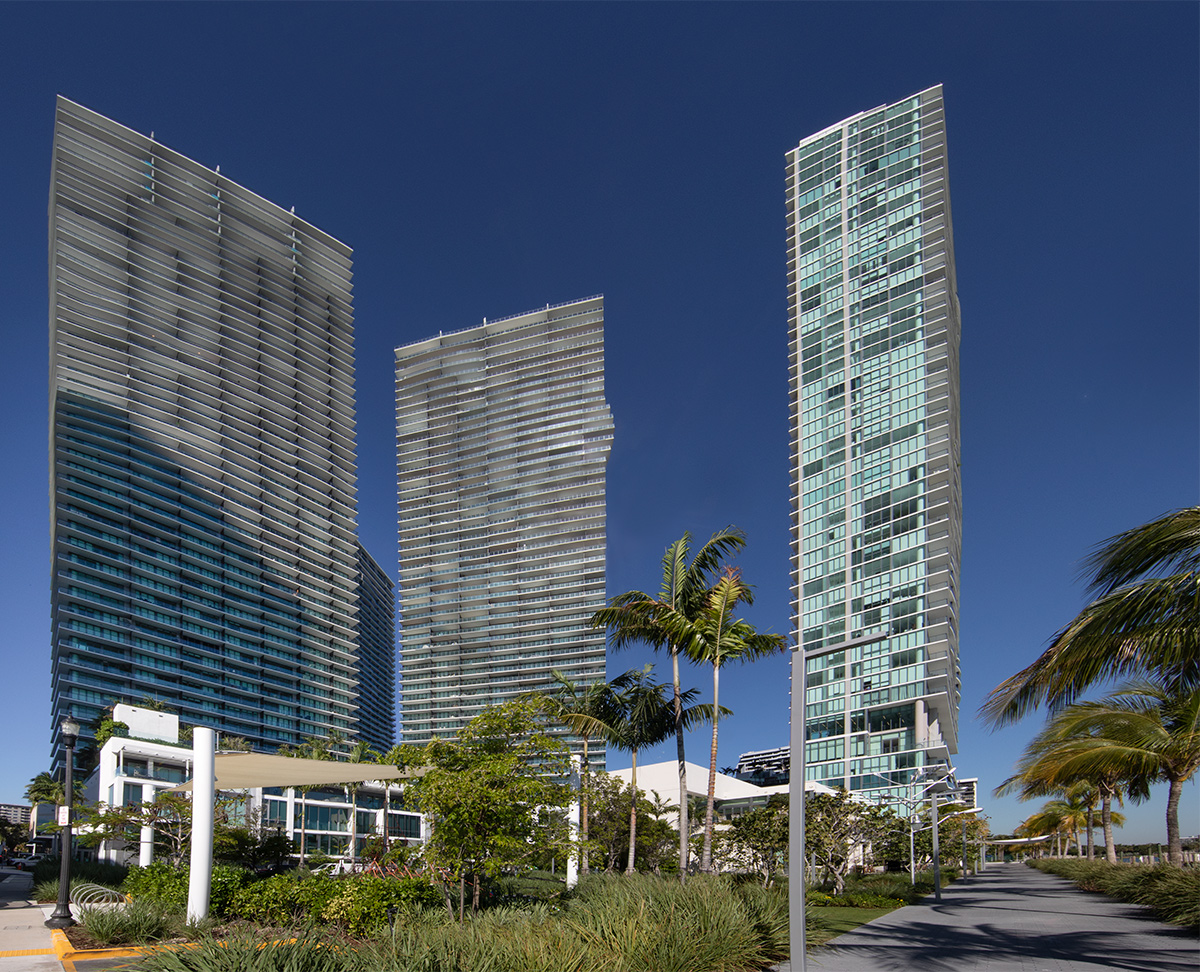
[{"x": 26, "y": 862}]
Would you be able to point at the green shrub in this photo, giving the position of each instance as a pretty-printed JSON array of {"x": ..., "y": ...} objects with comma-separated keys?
[
  {"x": 361, "y": 902},
  {"x": 864, "y": 899},
  {"x": 167, "y": 885},
  {"x": 1172, "y": 893},
  {"x": 247, "y": 953},
  {"x": 135, "y": 923},
  {"x": 285, "y": 900},
  {"x": 97, "y": 872}
]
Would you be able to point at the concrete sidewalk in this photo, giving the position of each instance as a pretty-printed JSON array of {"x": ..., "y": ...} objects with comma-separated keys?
[
  {"x": 25, "y": 942},
  {"x": 1012, "y": 918}
]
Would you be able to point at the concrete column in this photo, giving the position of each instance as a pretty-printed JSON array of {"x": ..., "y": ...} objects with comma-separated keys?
[
  {"x": 146, "y": 846},
  {"x": 204, "y": 792}
]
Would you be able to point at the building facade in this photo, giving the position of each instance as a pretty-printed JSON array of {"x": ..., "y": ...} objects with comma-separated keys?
[
  {"x": 203, "y": 510},
  {"x": 876, "y": 493},
  {"x": 376, "y": 662},
  {"x": 134, "y": 770},
  {"x": 503, "y": 437}
]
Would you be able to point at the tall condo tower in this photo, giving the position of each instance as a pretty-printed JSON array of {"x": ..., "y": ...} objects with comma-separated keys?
[
  {"x": 376, "y": 668},
  {"x": 502, "y": 437},
  {"x": 202, "y": 484},
  {"x": 876, "y": 494}
]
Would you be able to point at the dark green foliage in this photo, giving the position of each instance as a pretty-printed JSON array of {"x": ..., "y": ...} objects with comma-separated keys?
[
  {"x": 97, "y": 872},
  {"x": 1172, "y": 893},
  {"x": 285, "y": 900},
  {"x": 247, "y": 953},
  {"x": 167, "y": 885},
  {"x": 360, "y": 904}
]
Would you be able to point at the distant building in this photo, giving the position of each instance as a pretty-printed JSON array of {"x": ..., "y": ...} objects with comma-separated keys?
[
  {"x": 16, "y": 813},
  {"x": 203, "y": 496},
  {"x": 503, "y": 435},
  {"x": 876, "y": 488},
  {"x": 765, "y": 767},
  {"x": 375, "y": 666}
]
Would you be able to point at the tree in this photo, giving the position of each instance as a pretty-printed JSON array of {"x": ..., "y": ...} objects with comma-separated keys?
[
  {"x": 837, "y": 830},
  {"x": 1138, "y": 624},
  {"x": 393, "y": 757},
  {"x": 313, "y": 747},
  {"x": 589, "y": 710},
  {"x": 43, "y": 788},
  {"x": 360, "y": 752},
  {"x": 636, "y": 616},
  {"x": 1052, "y": 765},
  {"x": 1145, "y": 732},
  {"x": 491, "y": 797},
  {"x": 715, "y": 636},
  {"x": 645, "y": 718},
  {"x": 760, "y": 836}
]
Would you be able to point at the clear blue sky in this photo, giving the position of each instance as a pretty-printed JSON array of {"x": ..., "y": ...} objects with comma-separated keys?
[{"x": 484, "y": 160}]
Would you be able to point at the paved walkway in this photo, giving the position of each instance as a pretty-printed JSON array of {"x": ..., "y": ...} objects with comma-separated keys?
[
  {"x": 25, "y": 944},
  {"x": 1012, "y": 918}
]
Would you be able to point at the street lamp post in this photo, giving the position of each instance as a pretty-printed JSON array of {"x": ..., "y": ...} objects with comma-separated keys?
[{"x": 62, "y": 910}]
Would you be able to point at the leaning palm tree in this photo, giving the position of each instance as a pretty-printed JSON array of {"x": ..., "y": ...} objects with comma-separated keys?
[
  {"x": 1147, "y": 731},
  {"x": 715, "y": 636},
  {"x": 636, "y": 616},
  {"x": 1052, "y": 765},
  {"x": 590, "y": 710},
  {"x": 1140, "y": 624}
]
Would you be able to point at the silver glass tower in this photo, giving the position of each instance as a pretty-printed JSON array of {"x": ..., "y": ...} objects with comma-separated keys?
[
  {"x": 876, "y": 494},
  {"x": 203, "y": 445},
  {"x": 502, "y": 437}
]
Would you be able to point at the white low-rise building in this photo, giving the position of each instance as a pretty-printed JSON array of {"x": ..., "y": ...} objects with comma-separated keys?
[{"x": 134, "y": 768}]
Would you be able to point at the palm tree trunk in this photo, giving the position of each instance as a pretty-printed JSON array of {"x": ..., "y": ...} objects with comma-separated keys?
[
  {"x": 632, "y": 814},
  {"x": 300, "y": 806},
  {"x": 683, "y": 807},
  {"x": 1091, "y": 825},
  {"x": 387, "y": 808},
  {"x": 706, "y": 856},
  {"x": 583, "y": 811},
  {"x": 1174, "y": 845},
  {"x": 353, "y": 822},
  {"x": 1110, "y": 851}
]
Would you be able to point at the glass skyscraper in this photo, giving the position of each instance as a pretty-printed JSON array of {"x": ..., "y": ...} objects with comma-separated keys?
[
  {"x": 376, "y": 661},
  {"x": 876, "y": 493},
  {"x": 203, "y": 511},
  {"x": 503, "y": 437}
]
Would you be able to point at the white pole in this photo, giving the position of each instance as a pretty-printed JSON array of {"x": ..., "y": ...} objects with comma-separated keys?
[
  {"x": 146, "y": 842},
  {"x": 796, "y": 775},
  {"x": 573, "y": 824},
  {"x": 937, "y": 854},
  {"x": 204, "y": 787}
]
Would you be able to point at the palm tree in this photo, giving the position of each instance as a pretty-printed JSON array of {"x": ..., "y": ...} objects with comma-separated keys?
[
  {"x": 1139, "y": 624},
  {"x": 393, "y": 757},
  {"x": 360, "y": 752},
  {"x": 43, "y": 788},
  {"x": 716, "y": 636},
  {"x": 589, "y": 710},
  {"x": 645, "y": 718},
  {"x": 636, "y": 616},
  {"x": 313, "y": 747},
  {"x": 1144, "y": 732},
  {"x": 1051, "y": 765}
]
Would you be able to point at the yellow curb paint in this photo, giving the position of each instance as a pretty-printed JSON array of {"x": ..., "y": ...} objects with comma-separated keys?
[{"x": 26, "y": 951}]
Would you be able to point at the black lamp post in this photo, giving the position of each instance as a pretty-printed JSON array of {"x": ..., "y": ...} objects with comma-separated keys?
[{"x": 62, "y": 911}]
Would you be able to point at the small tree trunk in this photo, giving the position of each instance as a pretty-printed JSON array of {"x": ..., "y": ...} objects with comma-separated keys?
[
  {"x": 475, "y": 895},
  {"x": 706, "y": 855},
  {"x": 632, "y": 814},
  {"x": 583, "y": 812},
  {"x": 1174, "y": 844},
  {"x": 1110, "y": 850},
  {"x": 683, "y": 807},
  {"x": 1091, "y": 825},
  {"x": 462, "y": 893}
]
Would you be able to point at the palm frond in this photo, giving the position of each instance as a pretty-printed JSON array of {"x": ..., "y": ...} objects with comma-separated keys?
[{"x": 1169, "y": 544}]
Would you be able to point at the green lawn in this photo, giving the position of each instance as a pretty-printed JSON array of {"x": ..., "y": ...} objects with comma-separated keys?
[{"x": 838, "y": 920}]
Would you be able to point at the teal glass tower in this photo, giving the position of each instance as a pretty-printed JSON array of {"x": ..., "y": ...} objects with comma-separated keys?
[
  {"x": 876, "y": 492},
  {"x": 203, "y": 497}
]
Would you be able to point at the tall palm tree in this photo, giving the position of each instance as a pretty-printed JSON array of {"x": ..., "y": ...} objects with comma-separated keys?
[
  {"x": 715, "y": 636},
  {"x": 1146, "y": 731},
  {"x": 313, "y": 747},
  {"x": 1139, "y": 624},
  {"x": 590, "y": 710},
  {"x": 636, "y": 616}
]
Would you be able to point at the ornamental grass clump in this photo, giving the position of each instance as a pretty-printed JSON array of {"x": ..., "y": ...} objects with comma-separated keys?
[
  {"x": 1172, "y": 893},
  {"x": 135, "y": 923}
]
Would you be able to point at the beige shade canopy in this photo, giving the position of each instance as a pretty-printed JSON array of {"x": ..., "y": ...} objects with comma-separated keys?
[{"x": 242, "y": 771}]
